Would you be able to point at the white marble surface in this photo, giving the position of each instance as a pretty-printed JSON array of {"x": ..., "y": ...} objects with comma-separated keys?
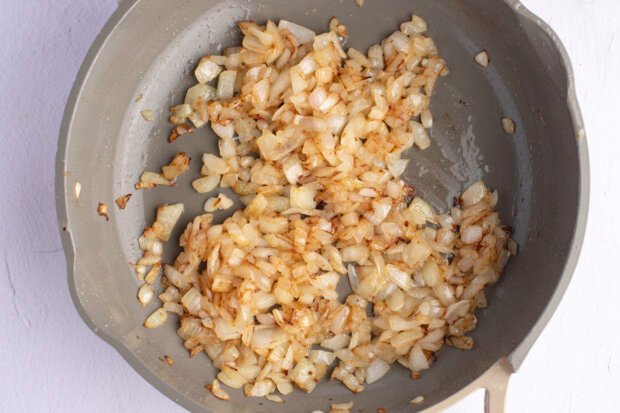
[{"x": 52, "y": 362}]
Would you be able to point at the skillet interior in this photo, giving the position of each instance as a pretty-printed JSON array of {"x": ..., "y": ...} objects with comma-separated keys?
[{"x": 152, "y": 52}]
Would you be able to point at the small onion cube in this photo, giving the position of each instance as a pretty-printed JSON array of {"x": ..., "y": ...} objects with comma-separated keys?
[
  {"x": 301, "y": 34},
  {"x": 377, "y": 369},
  {"x": 226, "y": 84},
  {"x": 200, "y": 90},
  {"x": 217, "y": 390},
  {"x": 303, "y": 197},
  {"x": 206, "y": 184},
  {"x": 474, "y": 193},
  {"x": 482, "y": 58},
  {"x": 207, "y": 70},
  {"x": 191, "y": 301},
  {"x": 156, "y": 319},
  {"x": 146, "y": 294},
  {"x": 509, "y": 125}
]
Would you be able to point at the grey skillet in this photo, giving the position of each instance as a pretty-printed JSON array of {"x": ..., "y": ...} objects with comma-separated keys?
[{"x": 149, "y": 47}]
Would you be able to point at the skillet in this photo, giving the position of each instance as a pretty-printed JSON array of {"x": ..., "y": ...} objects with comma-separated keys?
[{"x": 149, "y": 48}]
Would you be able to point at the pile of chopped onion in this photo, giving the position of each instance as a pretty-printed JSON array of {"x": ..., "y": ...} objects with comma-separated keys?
[
  {"x": 148, "y": 268},
  {"x": 310, "y": 139}
]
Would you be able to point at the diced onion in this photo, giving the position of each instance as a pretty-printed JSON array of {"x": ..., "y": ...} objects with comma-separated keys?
[
  {"x": 337, "y": 342},
  {"x": 207, "y": 70},
  {"x": 474, "y": 193},
  {"x": 146, "y": 294},
  {"x": 312, "y": 140},
  {"x": 421, "y": 212},
  {"x": 206, "y": 184},
  {"x": 321, "y": 356},
  {"x": 226, "y": 84},
  {"x": 303, "y": 197},
  {"x": 167, "y": 217},
  {"x": 175, "y": 277},
  {"x": 417, "y": 359},
  {"x": 509, "y": 125},
  {"x": 302, "y": 34},
  {"x": 482, "y": 58},
  {"x": 156, "y": 319},
  {"x": 217, "y": 390},
  {"x": 191, "y": 301},
  {"x": 377, "y": 369},
  {"x": 199, "y": 91}
]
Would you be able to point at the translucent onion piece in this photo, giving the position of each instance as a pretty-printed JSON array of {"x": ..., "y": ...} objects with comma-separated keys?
[
  {"x": 146, "y": 294},
  {"x": 482, "y": 58},
  {"x": 207, "y": 70},
  {"x": 302, "y": 34},
  {"x": 217, "y": 390},
  {"x": 226, "y": 84},
  {"x": 156, "y": 319},
  {"x": 377, "y": 369}
]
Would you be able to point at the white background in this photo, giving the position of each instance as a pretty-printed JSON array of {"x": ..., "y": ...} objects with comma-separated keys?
[{"x": 50, "y": 361}]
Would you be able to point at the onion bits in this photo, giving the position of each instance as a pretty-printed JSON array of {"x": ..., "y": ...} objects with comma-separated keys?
[{"x": 310, "y": 138}]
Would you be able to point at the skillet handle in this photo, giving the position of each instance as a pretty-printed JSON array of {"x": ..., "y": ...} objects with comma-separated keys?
[{"x": 495, "y": 383}]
